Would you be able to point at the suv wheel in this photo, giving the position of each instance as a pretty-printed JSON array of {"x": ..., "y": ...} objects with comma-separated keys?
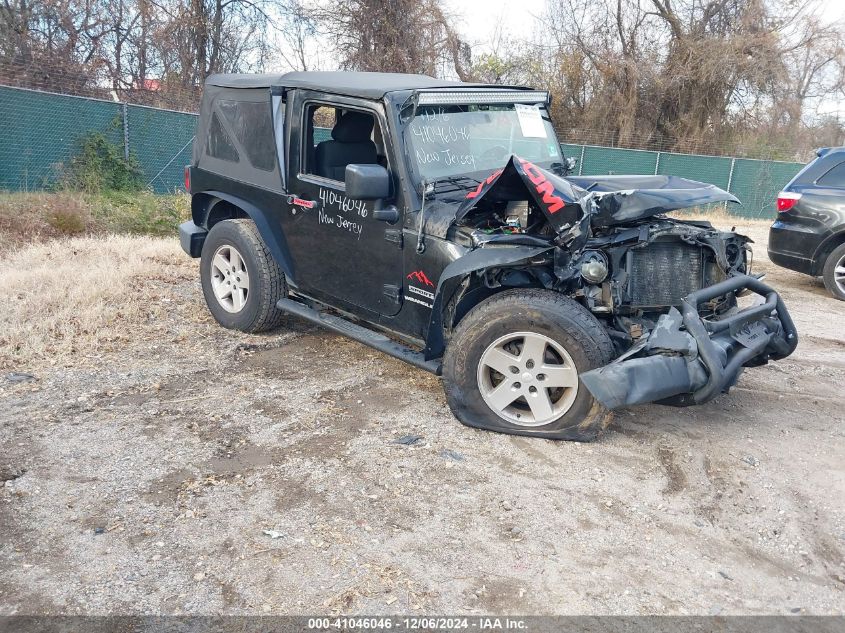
[
  {"x": 513, "y": 362},
  {"x": 240, "y": 279},
  {"x": 834, "y": 272}
]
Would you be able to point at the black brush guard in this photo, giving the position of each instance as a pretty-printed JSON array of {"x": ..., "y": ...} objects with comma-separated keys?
[{"x": 689, "y": 360}]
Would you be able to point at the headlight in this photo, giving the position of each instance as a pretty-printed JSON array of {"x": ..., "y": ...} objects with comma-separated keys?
[{"x": 594, "y": 267}]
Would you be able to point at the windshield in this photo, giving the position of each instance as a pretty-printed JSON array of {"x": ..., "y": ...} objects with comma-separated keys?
[{"x": 449, "y": 141}]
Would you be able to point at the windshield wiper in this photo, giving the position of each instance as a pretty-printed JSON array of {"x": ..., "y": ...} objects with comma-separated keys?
[
  {"x": 457, "y": 178},
  {"x": 454, "y": 180},
  {"x": 558, "y": 169}
]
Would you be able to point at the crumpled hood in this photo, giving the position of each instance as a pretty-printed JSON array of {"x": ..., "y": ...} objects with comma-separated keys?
[
  {"x": 620, "y": 199},
  {"x": 606, "y": 200}
]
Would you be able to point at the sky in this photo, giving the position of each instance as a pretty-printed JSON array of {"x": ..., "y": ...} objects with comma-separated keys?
[
  {"x": 479, "y": 18},
  {"x": 477, "y": 21}
]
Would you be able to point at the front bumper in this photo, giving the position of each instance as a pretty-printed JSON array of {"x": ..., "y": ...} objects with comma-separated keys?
[{"x": 689, "y": 360}]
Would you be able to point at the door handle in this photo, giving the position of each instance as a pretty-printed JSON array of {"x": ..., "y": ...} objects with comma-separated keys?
[{"x": 303, "y": 203}]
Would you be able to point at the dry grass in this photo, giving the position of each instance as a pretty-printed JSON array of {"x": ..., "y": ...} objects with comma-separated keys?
[
  {"x": 84, "y": 296},
  {"x": 32, "y": 217},
  {"x": 40, "y": 216}
]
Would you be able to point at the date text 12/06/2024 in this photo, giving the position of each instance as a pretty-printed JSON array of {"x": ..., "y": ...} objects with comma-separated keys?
[{"x": 478, "y": 623}]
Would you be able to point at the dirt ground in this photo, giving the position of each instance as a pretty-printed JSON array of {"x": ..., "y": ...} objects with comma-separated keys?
[{"x": 158, "y": 464}]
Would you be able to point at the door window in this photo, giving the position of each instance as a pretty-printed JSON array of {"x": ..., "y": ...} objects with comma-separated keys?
[{"x": 336, "y": 137}]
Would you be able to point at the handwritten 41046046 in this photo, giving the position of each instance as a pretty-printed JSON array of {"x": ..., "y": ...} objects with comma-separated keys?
[
  {"x": 337, "y": 208},
  {"x": 338, "y": 202},
  {"x": 440, "y": 142}
]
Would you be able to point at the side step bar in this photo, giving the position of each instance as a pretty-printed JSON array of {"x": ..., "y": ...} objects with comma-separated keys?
[{"x": 361, "y": 334}]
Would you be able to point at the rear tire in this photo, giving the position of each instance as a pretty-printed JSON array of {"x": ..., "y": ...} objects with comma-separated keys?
[
  {"x": 541, "y": 341},
  {"x": 834, "y": 272},
  {"x": 240, "y": 279}
]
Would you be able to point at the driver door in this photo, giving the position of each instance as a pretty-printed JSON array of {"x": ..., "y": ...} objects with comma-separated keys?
[{"x": 340, "y": 251}]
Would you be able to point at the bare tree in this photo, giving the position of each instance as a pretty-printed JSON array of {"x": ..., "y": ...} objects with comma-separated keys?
[
  {"x": 814, "y": 63},
  {"x": 298, "y": 51},
  {"x": 412, "y": 36},
  {"x": 52, "y": 44},
  {"x": 714, "y": 76},
  {"x": 148, "y": 51},
  {"x": 684, "y": 74}
]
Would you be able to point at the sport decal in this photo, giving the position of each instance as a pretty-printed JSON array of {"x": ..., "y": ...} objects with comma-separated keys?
[
  {"x": 423, "y": 293},
  {"x": 420, "y": 277}
]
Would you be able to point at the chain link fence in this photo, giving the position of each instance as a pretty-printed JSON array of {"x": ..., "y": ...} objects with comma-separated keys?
[
  {"x": 755, "y": 182},
  {"x": 43, "y": 133}
]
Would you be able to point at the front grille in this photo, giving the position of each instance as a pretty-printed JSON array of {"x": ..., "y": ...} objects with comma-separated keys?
[{"x": 665, "y": 271}]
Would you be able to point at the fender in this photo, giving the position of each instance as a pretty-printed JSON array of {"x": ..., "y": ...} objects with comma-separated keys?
[
  {"x": 270, "y": 231},
  {"x": 836, "y": 237},
  {"x": 451, "y": 277}
]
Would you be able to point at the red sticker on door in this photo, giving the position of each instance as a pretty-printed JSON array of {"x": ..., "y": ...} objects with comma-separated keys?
[
  {"x": 308, "y": 204},
  {"x": 420, "y": 277}
]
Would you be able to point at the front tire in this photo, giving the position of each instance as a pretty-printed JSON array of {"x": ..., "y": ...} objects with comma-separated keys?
[
  {"x": 512, "y": 366},
  {"x": 240, "y": 279},
  {"x": 834, "y": 272}
]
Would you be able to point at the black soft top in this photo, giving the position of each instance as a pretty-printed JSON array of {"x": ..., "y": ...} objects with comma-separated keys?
[{"x": 353, "y": 84}]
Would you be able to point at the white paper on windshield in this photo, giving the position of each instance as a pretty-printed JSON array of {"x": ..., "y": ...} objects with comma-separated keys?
[{"x": 530, "y": 121}]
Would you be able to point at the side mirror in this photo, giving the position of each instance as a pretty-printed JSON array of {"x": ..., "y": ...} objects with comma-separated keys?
[{"x": 367, "y": 182}]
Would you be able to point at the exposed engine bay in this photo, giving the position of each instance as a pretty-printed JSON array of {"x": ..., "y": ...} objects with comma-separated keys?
[
  {"x": 628, "y": 275},
  {"x": 666, "y": 289},
  {"x": 636, "y": 269}
]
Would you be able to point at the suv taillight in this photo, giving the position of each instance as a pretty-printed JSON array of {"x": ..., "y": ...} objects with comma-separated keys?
[
  {"x": 787, "y": 200},
  {"x": 188, "y": 178}
]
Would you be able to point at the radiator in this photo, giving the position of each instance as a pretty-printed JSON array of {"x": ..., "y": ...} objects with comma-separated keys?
[{"x": 665, "y": 271}]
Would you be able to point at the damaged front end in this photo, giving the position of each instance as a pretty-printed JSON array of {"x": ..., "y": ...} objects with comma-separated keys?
[
  {"x": 665, "y": 289},
  {"x": 687, "y": 359}
]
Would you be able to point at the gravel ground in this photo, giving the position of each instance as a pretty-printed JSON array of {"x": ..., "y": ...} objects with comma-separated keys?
[{"x": 184, "y": 469}]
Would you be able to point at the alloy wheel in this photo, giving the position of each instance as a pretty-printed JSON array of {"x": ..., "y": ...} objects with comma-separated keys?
[
  {"x": 527, "y": 378},
  {"x": 229, "y": 278},
  {"x": 839, "y": 274}
]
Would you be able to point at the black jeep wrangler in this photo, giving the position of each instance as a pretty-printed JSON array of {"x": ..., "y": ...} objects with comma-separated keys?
[{"x": 436, "y": 221}]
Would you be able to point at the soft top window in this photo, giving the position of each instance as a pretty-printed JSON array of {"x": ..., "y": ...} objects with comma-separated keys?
[
  {"x": 219, "y": 145},
  {"x": 252, "y": 125},
  {"x": 236, "y": 138}
]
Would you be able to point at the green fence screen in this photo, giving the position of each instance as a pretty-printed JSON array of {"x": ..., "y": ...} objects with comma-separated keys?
[
  {"x": 43, "y": 131},
  {"x": 162, "y": 141}
]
